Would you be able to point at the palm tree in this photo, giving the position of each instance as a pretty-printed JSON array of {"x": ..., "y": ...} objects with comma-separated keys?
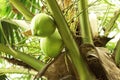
[{"x": 85, "y": 27}]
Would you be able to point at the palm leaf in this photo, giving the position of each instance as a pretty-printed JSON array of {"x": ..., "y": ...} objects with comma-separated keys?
[{"x": 9, "y": 32}]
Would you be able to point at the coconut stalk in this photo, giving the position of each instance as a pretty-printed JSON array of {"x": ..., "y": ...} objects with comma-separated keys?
[
  {"x": 69, "y": 41},
  {"x": 36, "y": 64},
  {"x": 22, "y": 9},
  {"x": 13, "y": 70},
  {"x": 117, "y": 53},
  {"x": 84, "y": 22}
]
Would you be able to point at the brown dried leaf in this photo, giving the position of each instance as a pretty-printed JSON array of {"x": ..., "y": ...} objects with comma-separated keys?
[{"x": 112, "y": 71}]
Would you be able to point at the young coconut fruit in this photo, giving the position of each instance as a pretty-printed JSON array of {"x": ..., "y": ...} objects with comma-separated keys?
[
  {"x": 42, "y": 25},
  {"x": 52, "y": 45}
]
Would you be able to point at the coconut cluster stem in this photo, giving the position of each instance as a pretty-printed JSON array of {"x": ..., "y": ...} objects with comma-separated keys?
[
  {"x": 84, "y": 22},
  {"x": 36, "y": 64},
  {"x": 69, "y": 41},
  {"x": 22, "y": 9},
  {"x": 16, "y": 70},
  {"x": 117, "y": 53}
]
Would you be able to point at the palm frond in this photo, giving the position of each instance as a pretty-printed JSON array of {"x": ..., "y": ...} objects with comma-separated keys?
[{"x": 10, "y": 33}]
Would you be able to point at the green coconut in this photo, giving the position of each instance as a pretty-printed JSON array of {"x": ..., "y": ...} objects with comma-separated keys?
[
  {"x": 52, "y": 45},
  {"x": 42, "y": 25}
]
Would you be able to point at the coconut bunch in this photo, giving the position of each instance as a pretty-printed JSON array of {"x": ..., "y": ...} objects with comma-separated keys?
[{"x": 43, "y": 26}]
